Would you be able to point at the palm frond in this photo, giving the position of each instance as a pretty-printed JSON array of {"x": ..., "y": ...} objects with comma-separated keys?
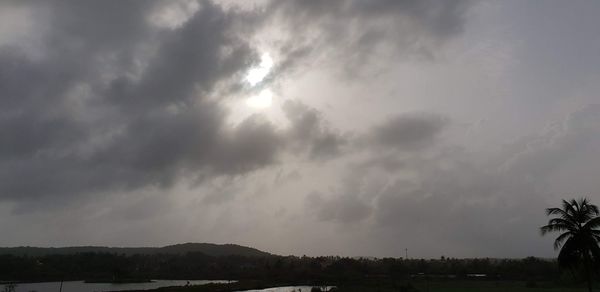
[
  {"x": 565, "y": 222},
  {"x": 579, "y": 224},
  {"x": 595, "y": 210},
  {"x": 585, "y": 210},
  {"x": 592, "y": 224},
  {"x": 560, "y": 212},
  {"x": 561, "y": 238},
  {"x": 571, "y": 207},
  {"x": 554, "y": 228},
  {"x": 589, "y": 208}
]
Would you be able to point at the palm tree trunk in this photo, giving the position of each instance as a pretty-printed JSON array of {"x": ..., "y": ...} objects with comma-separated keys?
[
  {"x": 590, "y": 280},
  {"x": 588, "y": 272}
]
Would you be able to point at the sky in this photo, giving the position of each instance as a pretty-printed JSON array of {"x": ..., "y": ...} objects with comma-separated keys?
[{"x": 340, "y": 127}]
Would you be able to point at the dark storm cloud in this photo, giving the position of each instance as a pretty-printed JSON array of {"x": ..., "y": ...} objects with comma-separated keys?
[
  {"x": 82, "y": 117},
  {"x": 112, "y": 101},
  {"x": 120, "y": 104}
]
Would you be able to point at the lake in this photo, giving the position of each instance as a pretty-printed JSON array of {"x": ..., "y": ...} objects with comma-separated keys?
[{"x": 80, "y": 286}]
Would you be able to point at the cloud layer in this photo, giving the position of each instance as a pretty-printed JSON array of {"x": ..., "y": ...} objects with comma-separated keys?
[{"x": 132, "y": 114}]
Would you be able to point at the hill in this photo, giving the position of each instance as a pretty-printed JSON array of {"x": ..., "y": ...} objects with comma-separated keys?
[{"x": 209, "y": 249}]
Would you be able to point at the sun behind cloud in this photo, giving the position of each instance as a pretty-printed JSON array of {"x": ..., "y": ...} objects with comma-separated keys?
[
  {"x": 254, "y": 77},
  {"x": 257, "y": 74}
]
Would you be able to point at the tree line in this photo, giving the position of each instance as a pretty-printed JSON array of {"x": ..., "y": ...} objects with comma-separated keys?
[{"x": 120, "y": 267}]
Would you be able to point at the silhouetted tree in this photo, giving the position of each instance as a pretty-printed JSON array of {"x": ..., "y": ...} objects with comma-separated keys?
[{"x": 578, "y": 222}]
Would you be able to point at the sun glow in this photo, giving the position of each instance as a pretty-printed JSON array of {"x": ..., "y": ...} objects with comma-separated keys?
[
  {"x": 254, "y": 77},
  {"x": 258, "y": 74},
  {"x": 263, "y": 100}
]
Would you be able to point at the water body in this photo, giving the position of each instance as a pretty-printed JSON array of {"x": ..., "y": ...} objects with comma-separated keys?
[
  {"x": 290, "y": 289},
  {"x": 80, "y": 286}
]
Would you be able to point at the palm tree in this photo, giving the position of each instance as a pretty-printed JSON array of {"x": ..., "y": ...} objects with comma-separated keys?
[{"x": 578, "y": 221}]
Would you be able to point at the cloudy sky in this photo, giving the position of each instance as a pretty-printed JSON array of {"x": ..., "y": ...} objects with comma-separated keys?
[{"x": 297, "y": 127}]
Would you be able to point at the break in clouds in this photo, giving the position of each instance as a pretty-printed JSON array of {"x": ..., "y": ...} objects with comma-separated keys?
[{"x": 388, "y": 124}]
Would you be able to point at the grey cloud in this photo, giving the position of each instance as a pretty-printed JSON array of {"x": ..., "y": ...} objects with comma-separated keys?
[
  {"x": 309, "y": 132},
  {"x": 122, "y": 106},
  {"x": 460, "y": 206},
  {"x": 544, "y": 156},
  {"x": 252, "y": 145},
  {"x": 351, "y": 201},
  {"x": 98, "y": 104},
  {"x": 357, "y": 30},
  {"x": 140, "y": 208},
  {"x": 407, "y": 132},
  {"x": 469, "y": 204},
  {"x": 439, "y": 18},
  {"x": 390, "y": 163},
  {"x": 141, "y": 118},
  {"x": 449, "y": 199},
  {"x": 284, "y": 176},
  {"x": 432, "y": 218},
  {"x": 222, "y": 190},
  {"x": 344, "y": 209}
]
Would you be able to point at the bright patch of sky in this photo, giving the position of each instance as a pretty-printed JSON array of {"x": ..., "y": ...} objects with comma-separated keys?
[
  {"x": 257, "y": 74},
  {"x": 262, "y": 100}
]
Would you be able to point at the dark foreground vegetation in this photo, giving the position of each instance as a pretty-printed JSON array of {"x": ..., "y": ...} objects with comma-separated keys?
[
  {"x": 390, "y": 285},
  {"x": 99, "y": 266},
  {"x": 253, "y": 272}
]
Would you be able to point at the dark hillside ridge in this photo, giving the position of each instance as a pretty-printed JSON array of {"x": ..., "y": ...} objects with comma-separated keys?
[{"x": 209, "y": 249}]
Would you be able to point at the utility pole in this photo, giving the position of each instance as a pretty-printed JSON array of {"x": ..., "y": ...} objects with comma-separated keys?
[{"x": 406, "y": 253}]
